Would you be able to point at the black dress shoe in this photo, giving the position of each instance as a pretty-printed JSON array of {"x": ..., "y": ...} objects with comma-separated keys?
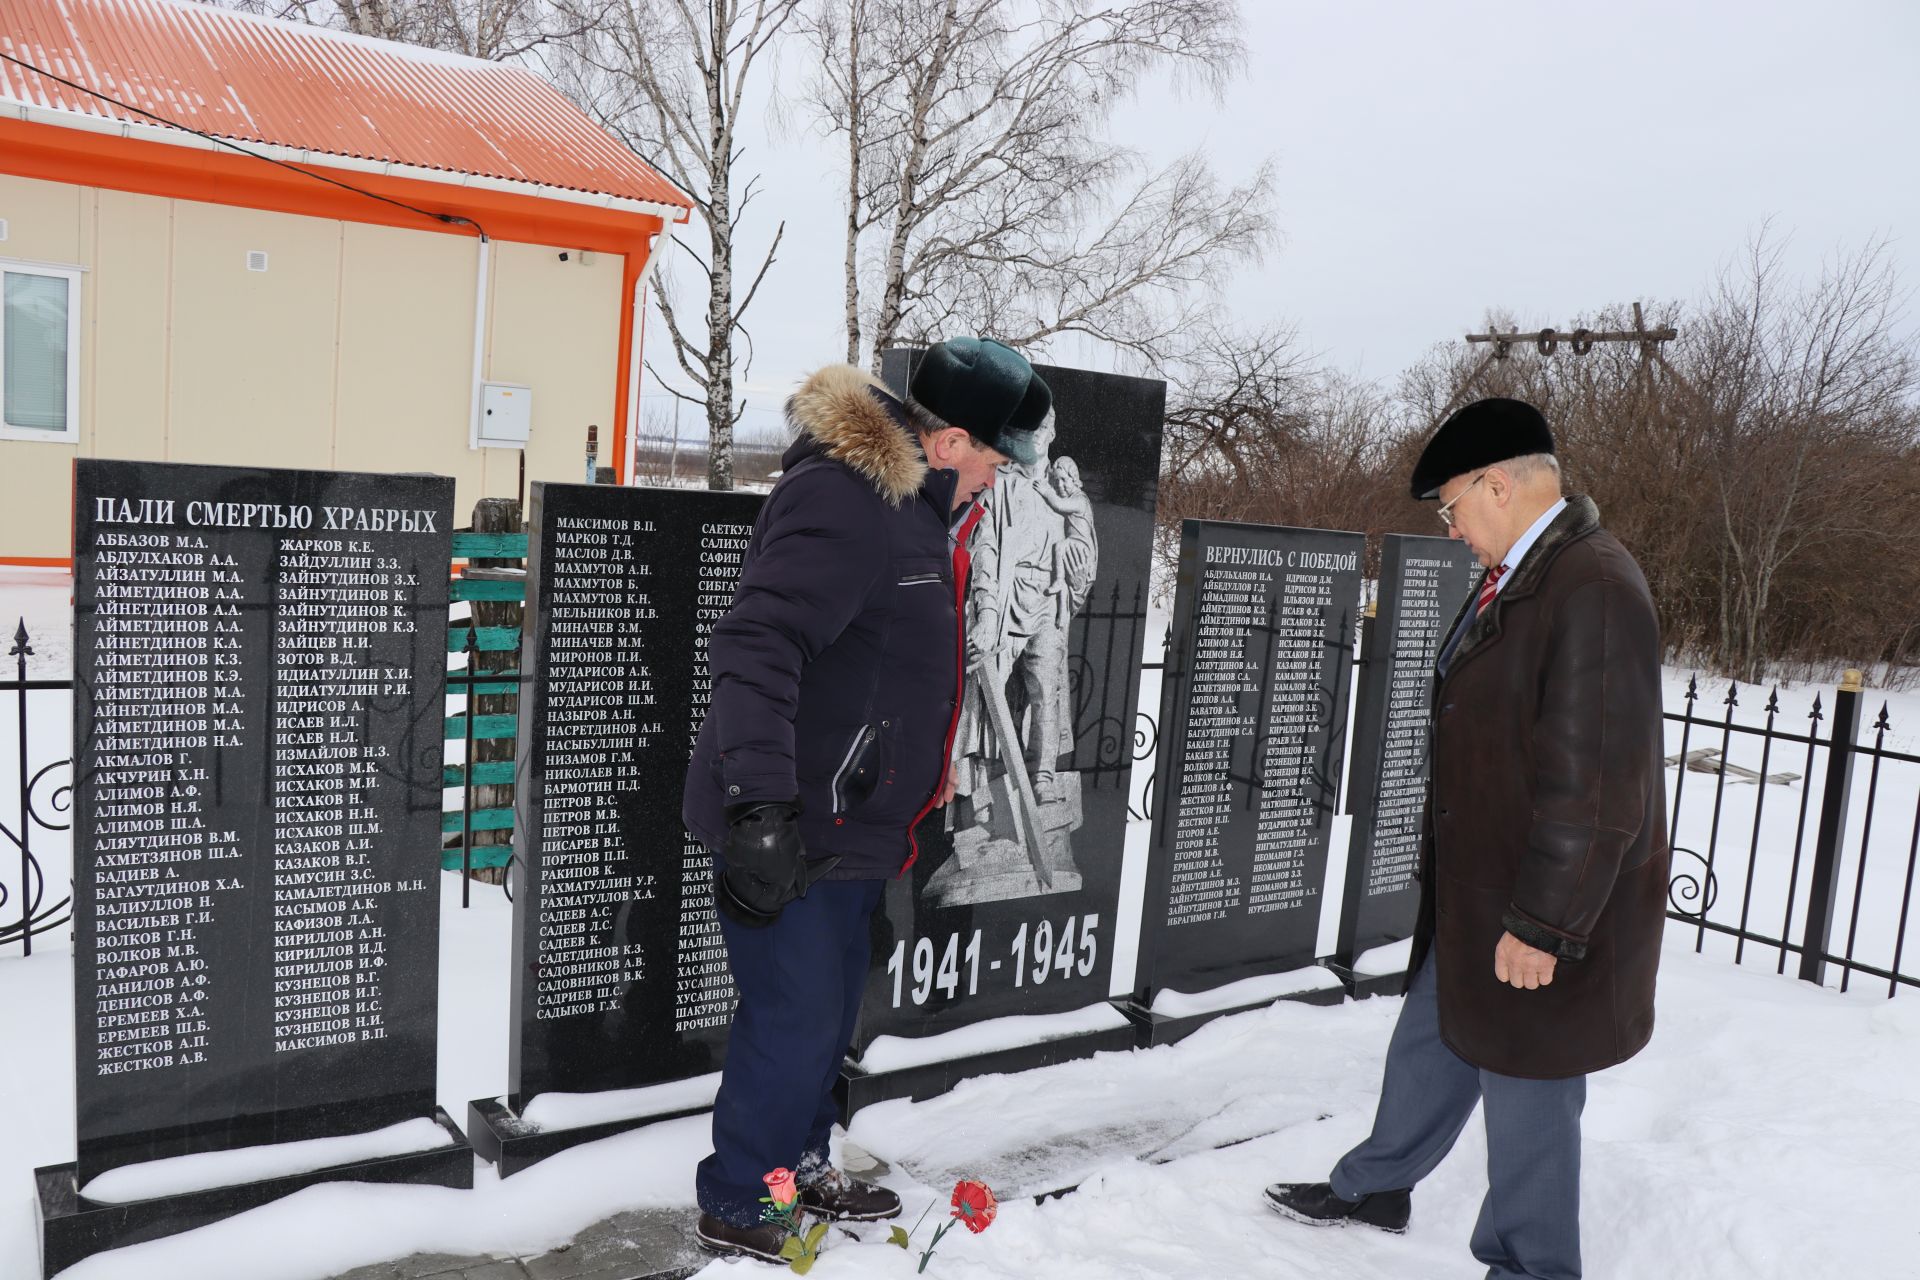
[
  {"x": 762, "y": 1240},
  {"x": 842, "y": 1198},
  {"x": 1316, "y": 1204}
]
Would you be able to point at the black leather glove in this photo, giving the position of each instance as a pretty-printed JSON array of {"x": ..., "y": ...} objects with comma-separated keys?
[{"x": 766, "y": 863}]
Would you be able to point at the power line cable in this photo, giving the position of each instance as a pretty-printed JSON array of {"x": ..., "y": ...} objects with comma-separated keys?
[{"x": 449, "y": 218}]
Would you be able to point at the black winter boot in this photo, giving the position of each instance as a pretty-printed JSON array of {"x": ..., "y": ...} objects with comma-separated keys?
[
  {"x": 1316, "y": 1204},
  {"x": 762, "y": 1240},
  {"x": 840, "y": 1197}
]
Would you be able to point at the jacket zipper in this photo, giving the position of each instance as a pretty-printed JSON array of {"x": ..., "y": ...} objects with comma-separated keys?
[{"x": 856, "y": 752}]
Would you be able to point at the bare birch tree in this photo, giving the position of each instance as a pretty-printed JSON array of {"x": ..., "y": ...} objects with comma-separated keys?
[
  {"x": 670, "y": 77},
  {"x": 979, "y": 168},
  {"x": 844, "y": 91}
]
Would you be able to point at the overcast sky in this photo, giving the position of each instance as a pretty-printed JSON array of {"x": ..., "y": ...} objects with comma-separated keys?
[{"x": 1442, "y": 157}]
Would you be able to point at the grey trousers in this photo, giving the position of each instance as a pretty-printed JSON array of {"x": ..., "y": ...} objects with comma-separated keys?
[{"x": 1529, "y": 1227}]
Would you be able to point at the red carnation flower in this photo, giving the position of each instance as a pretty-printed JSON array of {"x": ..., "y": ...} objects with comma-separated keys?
[{"x": 974, "y": 1205}]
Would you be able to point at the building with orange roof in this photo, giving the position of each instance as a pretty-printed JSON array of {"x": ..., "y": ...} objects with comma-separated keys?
[{"x": 238, "y": 240}]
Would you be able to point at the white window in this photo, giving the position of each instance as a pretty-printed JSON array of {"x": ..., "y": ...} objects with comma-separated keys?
[{"x": 39, "y": 352}]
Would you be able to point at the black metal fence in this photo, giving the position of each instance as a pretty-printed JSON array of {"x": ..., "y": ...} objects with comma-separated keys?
[
  {"x": 1826, "y": 878},
  {"x": 1814, "y": 865},
  {"x": 1103, "y": 666},
  {"x": 42, "y": 793},
  {"x": 1146, "y": 731}
]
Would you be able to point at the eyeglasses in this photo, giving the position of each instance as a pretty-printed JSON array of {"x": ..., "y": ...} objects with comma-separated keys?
[{"x": 1446, "y": 509}]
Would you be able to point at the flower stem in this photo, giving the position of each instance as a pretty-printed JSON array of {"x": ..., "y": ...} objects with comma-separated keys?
[{"x": 932, "y": 1244}]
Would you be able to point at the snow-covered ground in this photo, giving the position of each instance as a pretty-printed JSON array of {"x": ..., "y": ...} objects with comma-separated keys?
[{"x": 1770, "y": 1131}]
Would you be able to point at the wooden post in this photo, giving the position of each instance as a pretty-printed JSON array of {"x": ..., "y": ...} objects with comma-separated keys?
[
  {"x": 494, "y": 515},
  {"x": 1824, "y": 888}
]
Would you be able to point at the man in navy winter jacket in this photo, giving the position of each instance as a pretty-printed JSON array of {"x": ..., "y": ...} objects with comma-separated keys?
[{"x": 836, "y": 679}]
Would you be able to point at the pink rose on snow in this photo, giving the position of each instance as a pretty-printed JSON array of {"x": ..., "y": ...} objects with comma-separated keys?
[{"x": 780, "y": 1186}]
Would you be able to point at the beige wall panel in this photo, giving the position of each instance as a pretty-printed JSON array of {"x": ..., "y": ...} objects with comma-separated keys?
[
  {"x": 36, "y": 496},
  {"x": 406, "y": 357},
  {"x": 44, "y": 220},
  {"x": 556, "y": 328},
  {"x": 254, "y": 351},
  {"x": 128, "y": 337}
]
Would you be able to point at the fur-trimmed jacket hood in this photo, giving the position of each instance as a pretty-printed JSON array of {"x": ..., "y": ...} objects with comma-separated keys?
[{"x": 851, "y": 417}]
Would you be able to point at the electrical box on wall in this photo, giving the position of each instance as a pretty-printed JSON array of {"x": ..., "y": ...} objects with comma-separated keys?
[{"x": 506, "y": 415}]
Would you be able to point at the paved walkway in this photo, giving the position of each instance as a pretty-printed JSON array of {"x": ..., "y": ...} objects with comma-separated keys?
[{"x": 640, "y": 1244}]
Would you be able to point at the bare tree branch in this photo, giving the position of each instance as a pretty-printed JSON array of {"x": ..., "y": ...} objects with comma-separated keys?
[
  {"x": 674, "y": 75},
  {"x": 981, "y": 189}
]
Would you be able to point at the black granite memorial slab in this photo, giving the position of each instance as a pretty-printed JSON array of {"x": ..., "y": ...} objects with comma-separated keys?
[
  {"x": 620, "y": 978},
  {"x": 259, "y": 658},
  {"x": 1422, "y": 582},
  {"x": 1253, "y": 716},
  {"x": 1011, "y": 905},
  {"x": 74, "y": 1228}
]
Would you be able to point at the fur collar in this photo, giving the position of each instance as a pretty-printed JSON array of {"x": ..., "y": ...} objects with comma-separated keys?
[
  {"x": 851, "y": 417},
  {"x": 1580, "y": 518}
]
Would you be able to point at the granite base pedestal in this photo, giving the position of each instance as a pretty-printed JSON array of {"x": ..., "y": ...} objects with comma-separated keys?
[
  {"x": 510, "y": 1144},
  {"x": 1162, "y": 1028},
  {"x": 860, "y": 1088},
  {"x": 1362, "y": 985},
  {"x": 73, "y": 1228}
]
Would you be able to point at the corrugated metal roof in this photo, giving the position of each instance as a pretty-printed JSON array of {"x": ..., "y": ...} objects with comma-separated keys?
[{"x": 260, "y": 80}]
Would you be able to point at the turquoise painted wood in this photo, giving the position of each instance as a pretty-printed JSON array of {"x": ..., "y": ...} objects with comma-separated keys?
[
  {"x": 496, "y": 773},
  {"x": 487, "y": 589},
  {"x": 483, "y": 726},
  {"x": 489, "y": 546},
  {"x": 492, "y": 855},
  {"x": 483, "y": 820},
  {"x": 486, "y": 639}
]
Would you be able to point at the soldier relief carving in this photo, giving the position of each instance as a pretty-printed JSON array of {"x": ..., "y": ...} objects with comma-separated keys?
[{"x": 1017, "y": 797}]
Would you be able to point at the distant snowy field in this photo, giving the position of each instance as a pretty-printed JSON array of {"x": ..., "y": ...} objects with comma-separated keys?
[{"x": 1771, "y": 1130}]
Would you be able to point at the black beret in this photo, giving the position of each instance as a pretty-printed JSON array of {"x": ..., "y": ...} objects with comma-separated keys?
[
  {"x": 1482, "y": 434},
  {"x": 981, "y": 386}
]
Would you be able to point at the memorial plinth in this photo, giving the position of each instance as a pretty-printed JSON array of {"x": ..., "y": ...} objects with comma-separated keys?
[
  {"x": 1253, "y": 716},
  {"x": 1423, "y": 582},
  {"x": 1011, "y": 907},
  {"x": 620, "y": 979},
  {"x": 259, "y": 658}
]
